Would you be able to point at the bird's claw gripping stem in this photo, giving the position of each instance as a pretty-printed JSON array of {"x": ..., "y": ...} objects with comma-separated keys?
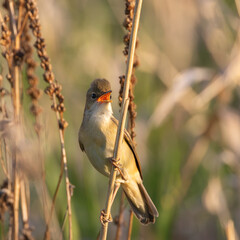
[
  {"x": 116, "y": 164},
  {"x": 104, "y": 219}
]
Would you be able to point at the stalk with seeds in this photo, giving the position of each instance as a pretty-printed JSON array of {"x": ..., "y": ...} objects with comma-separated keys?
[
  {"x": 128, "y": 23},
  {"x": 54, "y": 91},
  {"x": 17, "y": 49},
  {"x": 124, "y": 107}
]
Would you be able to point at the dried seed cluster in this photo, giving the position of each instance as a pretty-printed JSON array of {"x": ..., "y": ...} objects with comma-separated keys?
[
  {"x": 6, "y": 200},
  {"x": 16, "y": 47},
  {"x": 33, "y": 91},
  {"x": 129, "y": 12},
  {"x": 6, "y": 42},
  {"x": 13, "y": 56},
  {"x": 54, "y": 88}
]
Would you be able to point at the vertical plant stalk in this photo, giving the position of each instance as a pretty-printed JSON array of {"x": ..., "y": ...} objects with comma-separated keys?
[
  {"x": 6, "y": 42},
  {"x": 128, "y": 23},
  {"x": 230, "y": 230},
  {"x": 54, "y": 91},
  {"x": 34, "y": 93},
  {"x": 3, "y": 94},
  {"x": 16, "y": 205},
  {"x": 26, "y": 231},
  {"x": 16, "y": 104},
  {"x": 16, "y": 84},
  {"x": 24, "y": 186},
  {"x": 47, "y": 234},
  {"x": 124, "y": 108},
  {"x": 130, "y": 225},
  {"x": 120, "y": 217}
]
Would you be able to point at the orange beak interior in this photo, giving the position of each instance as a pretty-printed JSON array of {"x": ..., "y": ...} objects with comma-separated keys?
[{"x": 106, "y": 97}]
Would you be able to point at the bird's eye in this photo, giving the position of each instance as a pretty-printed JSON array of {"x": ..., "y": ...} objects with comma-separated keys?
[{"x": 94, "y": 95}]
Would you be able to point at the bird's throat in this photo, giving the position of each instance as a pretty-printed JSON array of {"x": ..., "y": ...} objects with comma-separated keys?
[{"x": 100, "y": 113}]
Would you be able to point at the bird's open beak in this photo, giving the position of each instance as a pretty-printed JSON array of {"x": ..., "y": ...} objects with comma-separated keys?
[{"x": 106, "y": 97}]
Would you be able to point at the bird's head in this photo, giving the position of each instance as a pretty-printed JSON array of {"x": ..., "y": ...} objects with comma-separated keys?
[{"x": 98, "y": 93}]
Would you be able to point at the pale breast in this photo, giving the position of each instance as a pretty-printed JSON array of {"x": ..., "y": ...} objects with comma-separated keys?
[{"x": 97, "y": 143}]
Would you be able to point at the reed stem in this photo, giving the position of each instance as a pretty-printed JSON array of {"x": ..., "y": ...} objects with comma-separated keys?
[{"x": 124, "y": 108}]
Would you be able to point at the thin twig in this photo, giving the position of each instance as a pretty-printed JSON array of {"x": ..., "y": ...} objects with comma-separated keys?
[
  {"x": 46, "y": 235},
  {"x": 120, "y": 216},
  {"x": 25, "y": 19},
  {"x": 130, "y": 224},
  {"x": 24, "y": 203},
  {"x": 26, "y": 231},
  {"x": 3, "y": 163},
  {"x": 123, "y": 115},
  {"x": 230, "y": 230},
  {"x": 16, "y": 204},
  {"x": 54, "y": 91},
  {"x": 67, "y": 182},
  {"x": 16, "y": 101},
  {"x": 16, "y": 67},
  {"x": 20, "y": 9},
  {"x": 129, "y": 12}
]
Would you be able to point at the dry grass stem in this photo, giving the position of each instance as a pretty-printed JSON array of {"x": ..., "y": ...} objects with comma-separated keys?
[
  {"x": 128, "y": 23},
  {"x": 54, "y": 91},
  {"x": 231, "y": 231},
  {"x": 130, "y": 225},
  {"x": 17, "y": 49},
  {"x": 120, "y": 217},
  {"x": 123, "y": 115},
  {"x": 16, "y": 103},
  {"x": 183, "y": 82},
  {"x": 216, "y": 203},
  {"x": 46, "y": 235},
  {"x": 26, "y": 231}
]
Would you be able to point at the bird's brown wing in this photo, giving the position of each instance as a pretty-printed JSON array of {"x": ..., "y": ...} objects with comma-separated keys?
[{"x": 129, "y": 141}]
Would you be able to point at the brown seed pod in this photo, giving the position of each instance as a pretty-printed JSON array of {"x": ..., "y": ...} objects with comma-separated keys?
[{"x": 127, "y": 23}]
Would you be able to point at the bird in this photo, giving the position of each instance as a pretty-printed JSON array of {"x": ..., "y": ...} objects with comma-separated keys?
[{"x": 96, "y": 138}]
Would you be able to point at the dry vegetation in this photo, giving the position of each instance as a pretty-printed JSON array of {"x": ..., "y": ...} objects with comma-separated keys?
[
  {"x": 21, "y": 19},
  {"x": 187, "y": 130}
]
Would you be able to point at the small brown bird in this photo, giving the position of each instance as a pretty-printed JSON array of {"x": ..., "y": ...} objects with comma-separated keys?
[{"x": 97, "y": 138}]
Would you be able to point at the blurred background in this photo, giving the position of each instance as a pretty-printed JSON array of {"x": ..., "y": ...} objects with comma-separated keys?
[{"x": 188, "y": 112}]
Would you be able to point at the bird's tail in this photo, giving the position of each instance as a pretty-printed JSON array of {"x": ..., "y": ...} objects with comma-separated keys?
[{"x": 141, "y": 203}]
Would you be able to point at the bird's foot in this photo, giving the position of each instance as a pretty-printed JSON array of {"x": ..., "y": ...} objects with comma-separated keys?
[
  {"x": 104, "y": 219},
  {"x": 116, "y": 164}
]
